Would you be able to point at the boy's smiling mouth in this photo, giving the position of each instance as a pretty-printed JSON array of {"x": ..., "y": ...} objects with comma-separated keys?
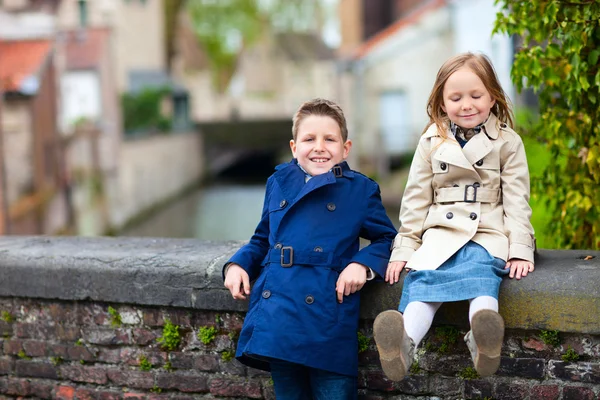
[{"x": 319, "y": 160}]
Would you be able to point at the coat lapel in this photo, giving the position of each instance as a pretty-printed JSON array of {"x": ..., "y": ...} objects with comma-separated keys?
[
  {"x": 477, "y": 148},
  {"x": 450, "y": 152}
]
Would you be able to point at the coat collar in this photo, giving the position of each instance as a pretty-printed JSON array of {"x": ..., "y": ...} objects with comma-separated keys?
[
  {"x": 290, "y": 178},
  {"x": 491, "y": 128}
]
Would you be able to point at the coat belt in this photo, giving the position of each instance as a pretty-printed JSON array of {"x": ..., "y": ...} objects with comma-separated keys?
[
  {"x": 286, "y": 256},
  {"x": 467, "y": 194}
]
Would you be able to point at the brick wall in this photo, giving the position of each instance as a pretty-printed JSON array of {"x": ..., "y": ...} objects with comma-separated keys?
[
  {"x": 78, "y": 350},
  {"x": 83, "y": 318}
]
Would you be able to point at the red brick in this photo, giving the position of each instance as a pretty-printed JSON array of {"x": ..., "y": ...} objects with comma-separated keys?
[
  {"x": 112, "y": 356},
  {"x": 78, "y": 353},
  {"x": 18, "y": 387},
  {"x": 478, "y": 389},
  {"x": 376, "y": 380},
  {"x": 183, "y": 382},
  {"x": 58, "y": 350},
  {"x": 143, "y": 336},
  {"x": 6, "y": 329},
  {"x": 13, "y": 346},
  {"x": 35, "y": 369},
  {"x": 35, "y": 348},
  {"x": 110, "y": 396},
  {"x": 6, "y": 365},
  {"x": 544, "y": 392},
  {"x": 41, "y": 389},
  {"x": 92, "y": 314},
  {"x": 133, "y": 396},
  {"x": 104, "y": 336},
  {"x": 65, "y": 393},
  {"x": 535, "y": 344},
  {"x": 153, "y": 317},
  {"x": 511, "y": 391},
  {"x": 65, "y": 313},
  {"x": 577, "y": 393},
  {"x": 129, "y": 378},
  {"x": 178, "y": 317},
  {"x": 85, "y": 394},
  {"x": 207, "y": 362},
  {"x": 230, "y": 388},
  {"x": 80, "y": 373}
]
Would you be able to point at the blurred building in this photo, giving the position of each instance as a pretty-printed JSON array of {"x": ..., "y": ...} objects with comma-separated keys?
[
  {"x": 389, "y": 66},
  {"x": 272, "y": 77},
  {"x": 33, "y": 187}
]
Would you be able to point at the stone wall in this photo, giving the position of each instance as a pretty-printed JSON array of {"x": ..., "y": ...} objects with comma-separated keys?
[{"x": 88, "y": 318}]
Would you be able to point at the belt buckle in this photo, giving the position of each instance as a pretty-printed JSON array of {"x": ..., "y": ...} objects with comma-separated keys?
[
  {"x": 282, "y": 260},
  {"x": 474, "y": 194}
]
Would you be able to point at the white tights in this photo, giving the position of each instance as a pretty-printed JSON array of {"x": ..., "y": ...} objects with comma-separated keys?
[{"x": 418, "y": 315}]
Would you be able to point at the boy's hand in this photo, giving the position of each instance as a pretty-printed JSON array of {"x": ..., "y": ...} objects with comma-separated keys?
[
  {"x": 237, "y": 281},
  {"x": 392, "y": 273},
  {"x": 351, "y": 280},
  {"x": 519, "y": 267}
]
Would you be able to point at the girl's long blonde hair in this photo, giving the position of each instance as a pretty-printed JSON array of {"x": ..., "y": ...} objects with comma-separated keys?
[{"x": 482, "y": 67}]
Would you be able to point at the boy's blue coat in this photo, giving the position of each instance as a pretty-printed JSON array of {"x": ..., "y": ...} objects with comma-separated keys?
[{"x": 293, "y": 313}]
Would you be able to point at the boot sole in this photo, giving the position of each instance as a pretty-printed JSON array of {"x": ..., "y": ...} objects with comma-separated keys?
[
  {"x": 488, "y": 332},
  {"x": 388, "y": 332}
]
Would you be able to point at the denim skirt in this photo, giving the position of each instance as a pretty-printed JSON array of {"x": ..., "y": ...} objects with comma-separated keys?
[{"x": 471, "y": 272}]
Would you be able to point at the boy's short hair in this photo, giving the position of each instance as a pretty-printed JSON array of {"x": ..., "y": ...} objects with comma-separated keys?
[{"x": 321, "y": 107}]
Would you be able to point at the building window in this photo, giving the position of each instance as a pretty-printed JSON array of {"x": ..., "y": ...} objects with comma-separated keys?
[{"x": 83, "y": 13}]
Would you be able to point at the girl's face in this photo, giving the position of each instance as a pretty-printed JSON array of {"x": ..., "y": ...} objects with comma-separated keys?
[
  {"x": 466, "y": 100},
  {"x": 319, "y": 145}
]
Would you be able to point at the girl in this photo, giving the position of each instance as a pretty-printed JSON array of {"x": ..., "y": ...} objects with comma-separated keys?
[{"x": 465, "y": 212}]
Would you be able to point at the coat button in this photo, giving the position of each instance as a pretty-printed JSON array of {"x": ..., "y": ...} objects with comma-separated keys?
[
  {"x": 318, "y": 249},
  {"x": 283, "y": 203},
  {"x": 473, "y": 216},
  {"x": 479, "y": 163},
  {"x": 278, "y": 246},
  {"x": 309, "y": 299},
  {"x": 476, "y": 184},
  {"x": 331, "y": 206},
  {"x": 443, "y": 166},
  {"x": 503, "y": 125},
  {"x": 449, "y": 215},
  {"x": 455, "y": 185},
  {"x": 266, "y": 294}
]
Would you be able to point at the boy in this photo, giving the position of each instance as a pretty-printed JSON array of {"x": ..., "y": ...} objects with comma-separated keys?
[{"x": 304, "y": 255}]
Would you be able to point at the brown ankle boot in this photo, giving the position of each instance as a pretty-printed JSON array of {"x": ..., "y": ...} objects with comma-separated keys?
[
  {"x": 396, "y": 349},
  {"x": 484, "y": 340}
]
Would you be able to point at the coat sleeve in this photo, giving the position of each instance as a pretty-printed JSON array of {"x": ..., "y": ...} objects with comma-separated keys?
[
  {"x": 379, "y": 230},
  {"x": 416, "y": 201},
  {"x": 514, "y": 175},
  {"x": 252, "y": 254}
]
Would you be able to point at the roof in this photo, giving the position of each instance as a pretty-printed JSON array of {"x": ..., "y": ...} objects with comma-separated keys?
[
  {"x": 85, "y": 47},
  {"x": 410, "y": 19},
  {"x": 303, "y": 46},
  {"x": 21, "y": 62}
]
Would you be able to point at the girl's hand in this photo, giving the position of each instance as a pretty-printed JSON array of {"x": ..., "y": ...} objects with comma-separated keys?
[
  {"x": 392, "y": 273},
  {"x": 237, "y": 281},
  {"x": 351, "y": 280},
  {"x": 519, "y": 268}
]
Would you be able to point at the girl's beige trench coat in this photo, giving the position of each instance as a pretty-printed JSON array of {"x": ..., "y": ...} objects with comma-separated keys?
[{"x": 453, "y": 195}]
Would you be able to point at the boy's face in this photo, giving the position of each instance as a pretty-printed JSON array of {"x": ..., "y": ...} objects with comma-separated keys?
[{"x": 319, "y": 145}]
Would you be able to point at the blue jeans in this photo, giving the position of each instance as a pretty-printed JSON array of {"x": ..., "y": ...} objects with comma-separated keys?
[{"x": 297, "y": 382}]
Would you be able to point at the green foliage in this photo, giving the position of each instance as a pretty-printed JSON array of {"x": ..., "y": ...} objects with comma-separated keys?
[
  {"x": 559, "y": 60},
  {"x": 7, "y": 317},
  {"x": 79, "y": 342},
  {"x": 56, "y": 361},
  {"x": 82, "y": 362},
  {"x": 227, "y": 355},
  {"x": 449, "y": 335},
  {"x": 21, "y": 354},
  {"x": 207, "y": 334},
  {"x": 168, "y": 367},
  {"x": 115, "y": 317},
  {"x": 570, "y": 355},
  {"x": 145, "y": 365},
  {"x": 156, "y": 389},
  {"x": 363, "y": 342},
  {"x": 170, "y": 338},
  {"x": 551, "y": 338},
  {"x": 468, "y": 373},
  {"x": 414, "y": 368},
  {"x": 142, "y": 111},
  {"x": 224, "y": 28}
]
